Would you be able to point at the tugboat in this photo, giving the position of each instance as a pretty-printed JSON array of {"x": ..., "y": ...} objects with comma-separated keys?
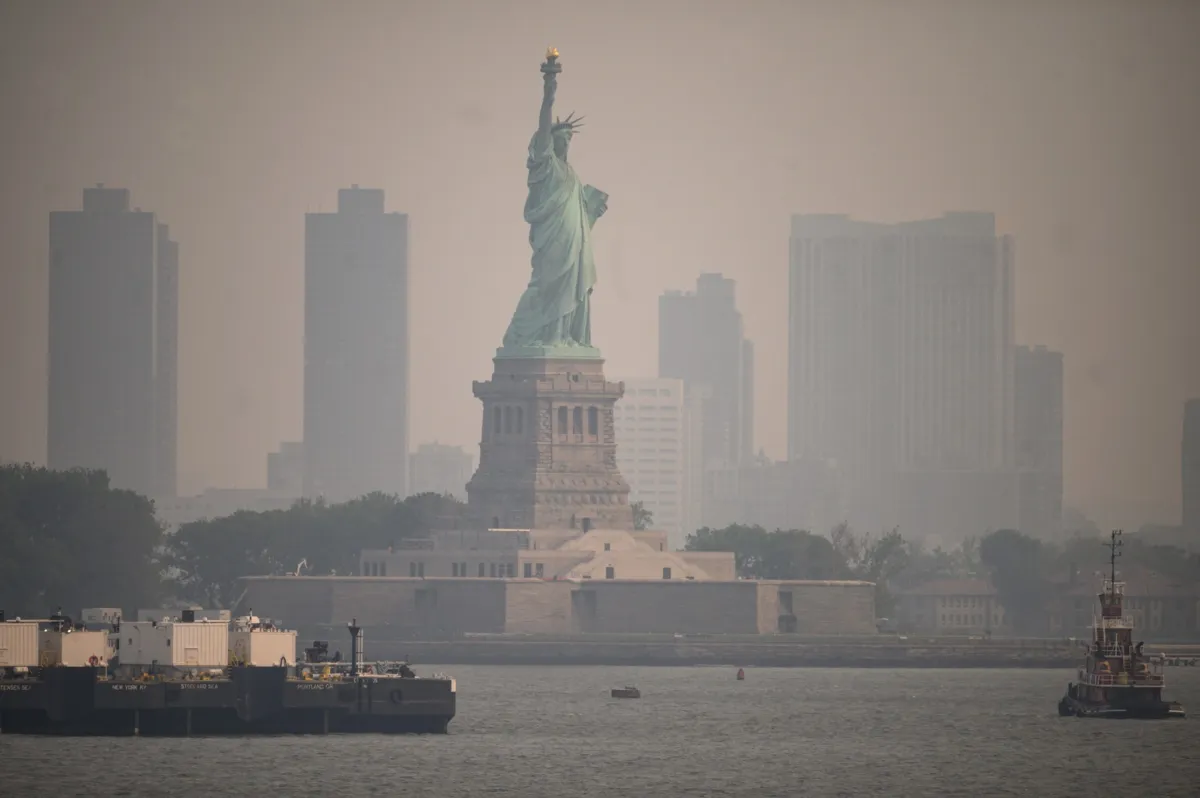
[{"x": 1117, "y": 680}]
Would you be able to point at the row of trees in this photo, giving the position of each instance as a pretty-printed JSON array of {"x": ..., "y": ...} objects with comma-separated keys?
[
  {"x": 208, "y": 557},
  {"x": 1025, "y": 572},
  {"x": 68, "y": 538},
  {"x": 800, "y": 554}
]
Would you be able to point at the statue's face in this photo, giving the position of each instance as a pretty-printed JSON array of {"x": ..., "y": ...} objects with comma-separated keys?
[{"x": 562, "y": 141}]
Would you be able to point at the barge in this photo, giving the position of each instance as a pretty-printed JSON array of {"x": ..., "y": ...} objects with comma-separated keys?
[
  {"x": 57, "y": 678},
  {"x": 1117, "y": 680}
]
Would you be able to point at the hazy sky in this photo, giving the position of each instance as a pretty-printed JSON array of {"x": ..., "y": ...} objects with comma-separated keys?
[{"x": 709, "y": 123}]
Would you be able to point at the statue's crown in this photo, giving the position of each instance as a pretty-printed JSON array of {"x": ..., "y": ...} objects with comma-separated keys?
[{"x": 571, "y": 123}]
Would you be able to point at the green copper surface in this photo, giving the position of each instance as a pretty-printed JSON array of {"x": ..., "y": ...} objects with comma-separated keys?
[{"x": 553, "y": 315}]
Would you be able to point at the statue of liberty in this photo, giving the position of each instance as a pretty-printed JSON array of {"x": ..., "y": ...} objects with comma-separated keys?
[{"x": 555, "y": 309}]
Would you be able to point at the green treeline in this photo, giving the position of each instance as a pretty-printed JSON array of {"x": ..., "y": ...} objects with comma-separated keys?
[
  {"x": 1026, "y": 572},
  {"x": 68, "y": 539}
]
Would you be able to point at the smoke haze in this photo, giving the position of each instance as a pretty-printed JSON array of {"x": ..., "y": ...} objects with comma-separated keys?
[{"x": 709, "y": 124}]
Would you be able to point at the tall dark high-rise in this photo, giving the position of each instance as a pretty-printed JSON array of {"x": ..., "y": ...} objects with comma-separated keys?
[
  {"x": 900, "y": 367},
  {"x": 1038, "y": 432},
  {"x": 701, "y": 341},
  {"x": 356, "y": 348},
  {"x": 113, "y": 335},
  {"x": 1191, "y": 470}
]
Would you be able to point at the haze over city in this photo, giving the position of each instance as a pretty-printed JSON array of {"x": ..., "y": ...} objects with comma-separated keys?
[{"x": 708, "y": 124}]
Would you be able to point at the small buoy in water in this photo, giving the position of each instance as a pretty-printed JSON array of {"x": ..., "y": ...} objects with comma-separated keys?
[{"x": 741, "y": 677}]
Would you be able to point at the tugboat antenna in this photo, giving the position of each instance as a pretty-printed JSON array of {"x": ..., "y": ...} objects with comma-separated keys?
[{"x": 1114, "y": 551}]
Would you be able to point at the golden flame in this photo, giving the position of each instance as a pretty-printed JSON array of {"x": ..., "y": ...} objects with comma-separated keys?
[{"x": 551, "y": 52}]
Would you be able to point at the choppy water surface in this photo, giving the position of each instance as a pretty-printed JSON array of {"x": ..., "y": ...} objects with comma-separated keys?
[{"x": 696, "y": 731}]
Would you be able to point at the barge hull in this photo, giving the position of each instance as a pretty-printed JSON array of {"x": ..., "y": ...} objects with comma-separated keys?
[{"x": 74, "y": 702}]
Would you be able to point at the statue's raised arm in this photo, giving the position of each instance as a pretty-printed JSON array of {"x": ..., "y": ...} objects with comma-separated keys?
[{"x": 550, "y": 70}]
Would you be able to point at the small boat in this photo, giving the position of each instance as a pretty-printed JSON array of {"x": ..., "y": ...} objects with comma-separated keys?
[
  {"x": 741, "y": 675},
  {"x": 626, "y": 692},
  {"x": 1116, "y": 679}
]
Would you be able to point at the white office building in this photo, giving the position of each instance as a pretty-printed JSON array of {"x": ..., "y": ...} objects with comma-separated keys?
[{"x": 658, "y": 443}]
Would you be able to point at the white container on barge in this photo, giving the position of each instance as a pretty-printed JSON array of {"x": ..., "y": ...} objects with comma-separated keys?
[
  {"x": 18, "y": 644},
  {"x": 72, "y": 649},
  {"x": 258, "y": 642},
  {"x": 263, "y": 647},
  {"x": 174, "y": 644}
]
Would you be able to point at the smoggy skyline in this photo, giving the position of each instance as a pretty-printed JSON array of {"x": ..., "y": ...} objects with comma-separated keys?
[{"x": 709, "y": 124}]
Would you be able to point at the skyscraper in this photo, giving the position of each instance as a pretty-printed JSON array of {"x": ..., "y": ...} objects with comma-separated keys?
[
  {"x": 701, "y": 341},
  {"x": 113, "y": 335},
  {"x": 285, "y": 469},
  {"x": 1191, "y": 471},
  {"x": 901, "y": 362},
  {"x": 356, "y": 348},
  {"x": 1038, "y": 430},
  {"x": 657, "y": 431},
  {"x": 440, "y": 468}
]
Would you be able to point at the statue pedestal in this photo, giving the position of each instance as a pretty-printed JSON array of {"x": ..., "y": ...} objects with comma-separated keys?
[
  {"x": 548, "y": 453},
  {"x": 570, "y": 351}
]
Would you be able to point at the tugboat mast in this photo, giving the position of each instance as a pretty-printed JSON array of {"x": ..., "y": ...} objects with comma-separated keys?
[{"x": 1114, "y": 551}]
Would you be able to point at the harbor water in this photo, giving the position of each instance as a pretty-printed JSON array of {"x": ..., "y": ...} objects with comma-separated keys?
[{"x": 555, "y": 731}]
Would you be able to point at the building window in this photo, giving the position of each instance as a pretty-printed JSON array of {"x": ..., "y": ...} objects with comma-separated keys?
[
  {"x": 528, "y": 570},
  {"x": 540, "y": 570},
  {"x": 511, "y": 568},
  {"x": 383, "y": 569},
  {"x": 520, "y": 420},
  {"x": 508, "y": 420},
  {"x": 482, "y": 570},
  {"x": 593, "y": 421},
  {"x": 608, "y": 547},
  {"x": 496, "y": 421},
  {"x": 462, "y": 569},
  {"x": 412, "y": 569},
  {"x": 421, "y": 570},
  {"x": 577, "y": 420},
  {"x": 666, "y": 573},
  {"x": 562, "y": 421},
  {"x": 454, "y": 569},
  {"x": 610, "y": 573},
  {"x": 492, "y": 570}
]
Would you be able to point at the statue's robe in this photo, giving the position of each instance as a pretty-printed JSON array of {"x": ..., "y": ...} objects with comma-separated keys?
[{"x": 556, "y": 306}]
